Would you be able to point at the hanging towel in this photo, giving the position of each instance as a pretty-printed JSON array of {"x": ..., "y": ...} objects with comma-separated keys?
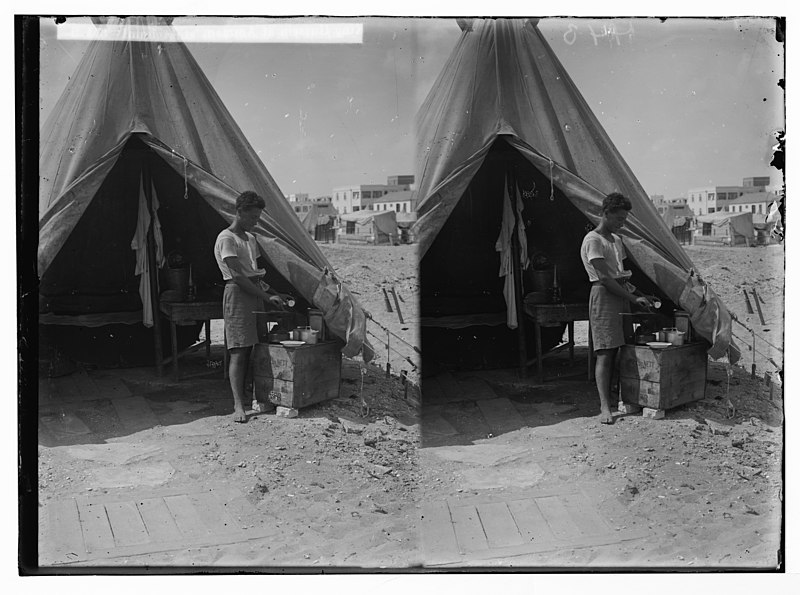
[
  {"x": 504, "y": 246},
  {"x": 139, "y": 244}
]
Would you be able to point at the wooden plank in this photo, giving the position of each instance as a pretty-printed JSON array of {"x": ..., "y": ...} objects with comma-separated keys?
[
  {"x": 87, "y": 389},
  {"x": 186, "y": 516},
  {"x": 530, "y": 522},
  {"x": 656, "y": 396},
  {"x": 449, "y": 386},
  {"x": 499, "y": 525},
  {"x": 111, "y": 388},
  {"x": 588, "y": 520},
  {"x": 468, "y": 529},
  {"x": 431, "y": 391},
  {"x": 433, "y": 424},
  {"x": 558, "y": 517},
  {"x": 158, "y": 521},
  {"x": 65, "y": 425},
  {"x": 65, "y": 389},
  {"x": 296, "y": 363},
  {"x": 476, "y": 389},
  {"x": 127, "y": 526},
  {"x": 64, "y": 535},
  {"x": 96, "y": 530},
  {"x": 135, "y": 413},
  {"x": 298, "y": 394},
  {"x": 684, "y": 391},
  {"x": 213, "y": 513},
  {"x": 501, "y": 415},
  {"x": 438, "y": 537},
  {"x": 581, "y": 541}
]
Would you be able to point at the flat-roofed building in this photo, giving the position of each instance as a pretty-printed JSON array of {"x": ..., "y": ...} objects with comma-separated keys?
[
  {"x": 399, "y": 202},
  {"x": 757, "y": 203}
]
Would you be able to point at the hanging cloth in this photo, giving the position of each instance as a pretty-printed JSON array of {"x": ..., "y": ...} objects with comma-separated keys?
[
  {"x": 512, "y": 221},
  {"x": 139, "y": 244}
]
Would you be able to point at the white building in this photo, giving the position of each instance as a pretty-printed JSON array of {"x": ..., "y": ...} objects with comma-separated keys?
[
  {"x": 361, "y": 197},
  {"x": 399, "y": 202},
  {"x": 756, "y": 203},
  {"x": 712, "y": 199},
  {"x": 323, "y": 207},
  {"x": 297, "y": 197}
]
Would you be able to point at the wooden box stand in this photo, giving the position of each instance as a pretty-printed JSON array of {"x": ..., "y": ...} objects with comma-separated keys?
[
  {"x": 663, "y": 378},
  {"x": 297, "y": 376}
]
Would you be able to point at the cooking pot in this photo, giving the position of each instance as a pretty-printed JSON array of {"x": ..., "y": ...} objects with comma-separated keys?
[
  {"x": 675, "y": 336},
  {"x": 305, "y": 333}
]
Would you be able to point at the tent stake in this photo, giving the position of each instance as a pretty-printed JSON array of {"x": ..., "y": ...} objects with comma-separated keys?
[
  {"x": 397, "y": 305},
  {"x": 388, "y": 352},
  {"x": 747, "y": 302},
  {"x": 758, "y": 307}
]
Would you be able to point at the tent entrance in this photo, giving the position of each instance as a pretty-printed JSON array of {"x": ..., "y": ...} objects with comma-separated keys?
[
  {"x": 463, "y": 306},
  {"x": 94, "y": 272}
]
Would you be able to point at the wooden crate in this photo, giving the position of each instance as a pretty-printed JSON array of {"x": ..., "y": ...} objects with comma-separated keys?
[
  {"x": 297, "y": 376},
  {"x": 663, "y": 378}
]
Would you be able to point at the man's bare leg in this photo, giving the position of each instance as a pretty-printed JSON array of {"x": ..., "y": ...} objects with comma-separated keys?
[
  {"x": 237, "y": 371},
  {"x": 603, "y": 371}
]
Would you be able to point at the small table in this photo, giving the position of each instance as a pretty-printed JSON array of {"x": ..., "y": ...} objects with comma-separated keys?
[
  {"x": 554, "y": 314},
  {"x": 186, "y": 313}
]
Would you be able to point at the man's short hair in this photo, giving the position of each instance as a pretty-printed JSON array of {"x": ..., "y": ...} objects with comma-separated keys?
[
  {"x": 616, "y": 202},
  {"x": 249, "y": 200}
]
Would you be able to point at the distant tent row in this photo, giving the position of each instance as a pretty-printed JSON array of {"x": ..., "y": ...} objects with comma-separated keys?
[
  {"x": 140, "y": 148},
  {"x": 506, "y": 143},
  {"x": 729, "y": 229},
  {"x": 373, "y": 227}
]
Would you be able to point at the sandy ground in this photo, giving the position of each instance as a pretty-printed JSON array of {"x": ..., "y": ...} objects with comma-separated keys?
[
  {"x": 367, "y": 270},
  {"x": 704, "y": 483},
  {"x": 335, "y": 488}
]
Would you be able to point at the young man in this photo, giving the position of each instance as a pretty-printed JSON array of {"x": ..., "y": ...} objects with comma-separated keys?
[
  {"x": 236, "y": 252},
  {"x": 602, "y": 253}
]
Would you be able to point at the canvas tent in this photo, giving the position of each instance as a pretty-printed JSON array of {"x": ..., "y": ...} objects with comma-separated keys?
[
  {"x": 373, "y": 227},
  {"x": 139, "y": 136},
  {"x": 505, "y": 131},
  {"x": 730, "y": 229},
  {"x": 678, "y": 218},
  {"x": 405, "y": 224},
  {"x": 319, "y": 222}
]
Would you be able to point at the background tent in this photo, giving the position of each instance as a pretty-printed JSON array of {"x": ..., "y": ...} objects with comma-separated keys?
[
  {"x": 678, "y": 218},
  {"x": 375, "y": 227},
  {"x": 405, "y": 223},
  {"x": 730, "y": 229},
  {"x": 319, "y": 222},
  {"x": 504, "y": 108},
  {"x": 138, "y": 121}
]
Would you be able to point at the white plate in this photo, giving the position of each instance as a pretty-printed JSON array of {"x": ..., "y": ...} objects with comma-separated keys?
[
  {"x": 292, "y": 343},
  {"x": 658, "y": 345}
]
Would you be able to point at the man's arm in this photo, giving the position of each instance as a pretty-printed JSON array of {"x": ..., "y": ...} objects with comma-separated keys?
[
  {"x": 612, "y": 285},
  {"x": 247, "y": 284}
]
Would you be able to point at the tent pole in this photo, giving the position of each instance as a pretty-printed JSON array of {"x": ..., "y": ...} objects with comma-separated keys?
[
  {"x": 517, "y": 271},
  {"x": 153, "y": 272}
]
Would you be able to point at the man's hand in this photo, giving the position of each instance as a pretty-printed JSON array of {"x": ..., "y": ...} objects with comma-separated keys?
[
  {"x": 276, "y": 301},
  {"x": 643, "y": 302}
]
